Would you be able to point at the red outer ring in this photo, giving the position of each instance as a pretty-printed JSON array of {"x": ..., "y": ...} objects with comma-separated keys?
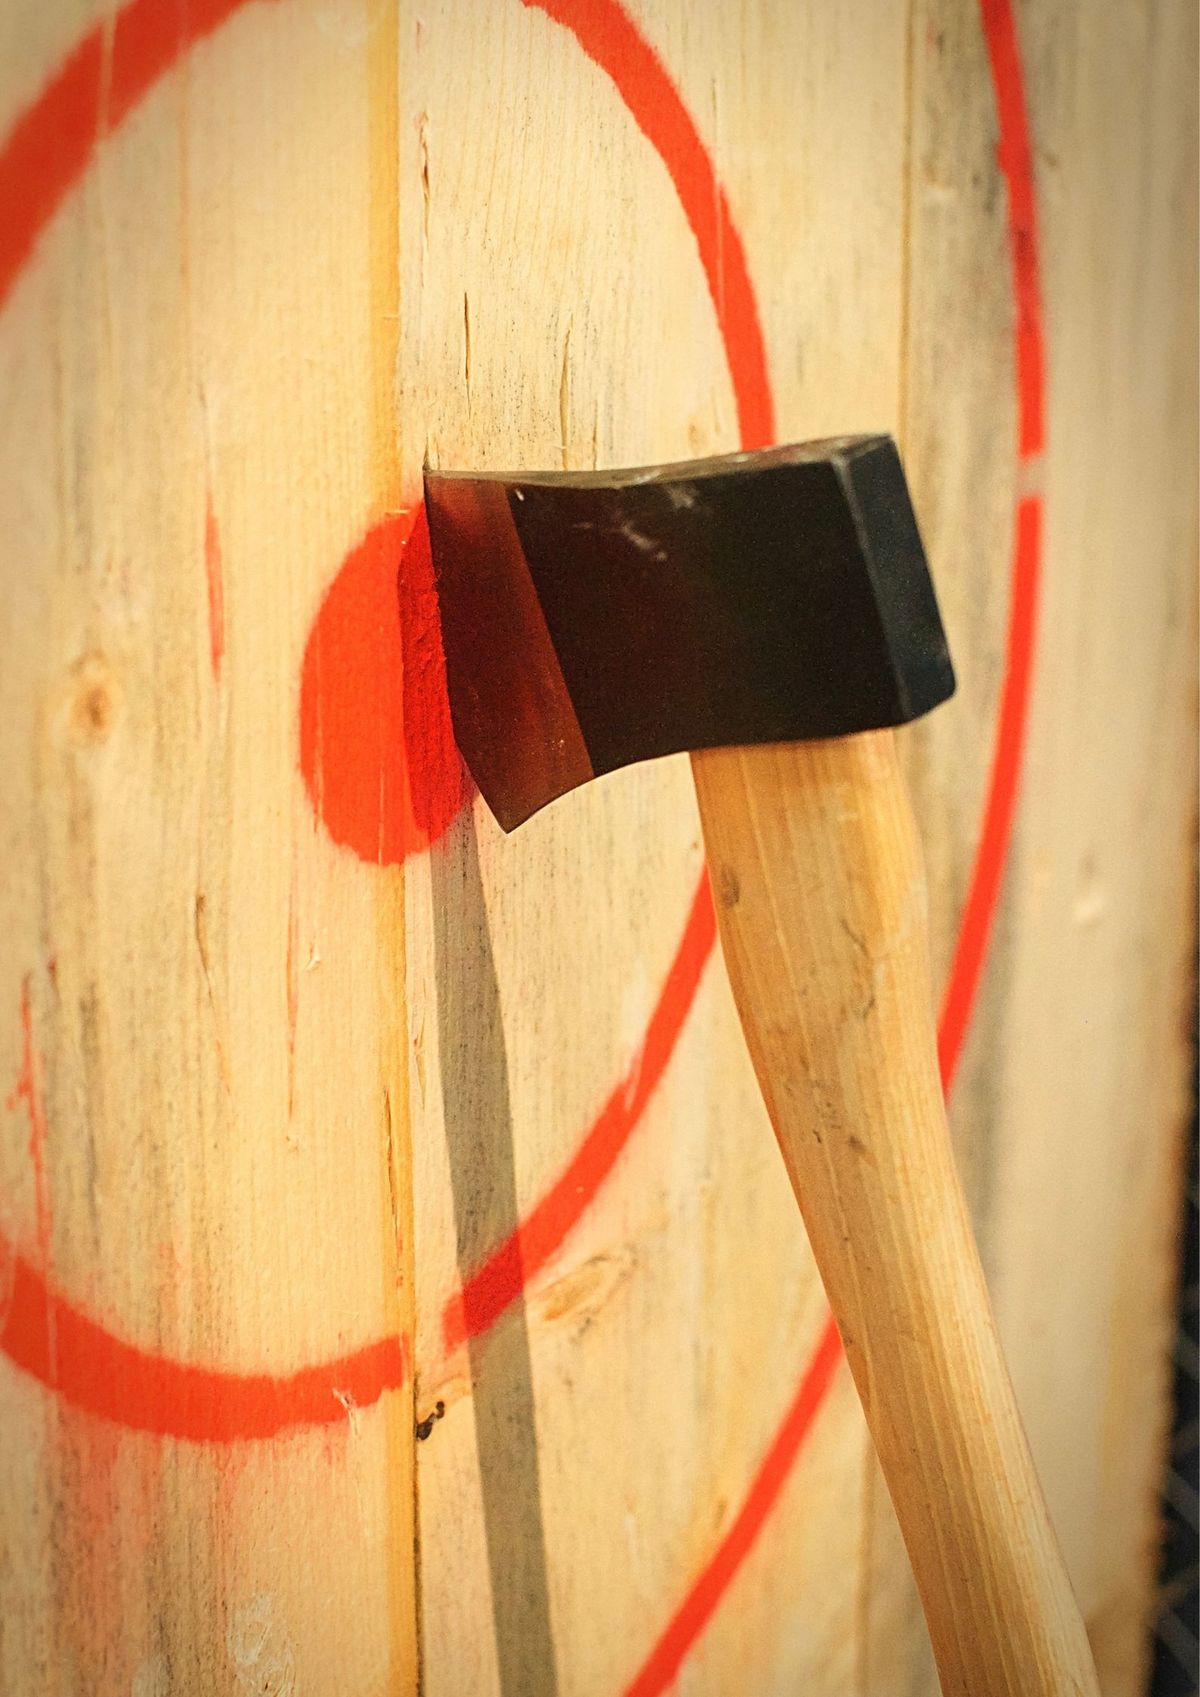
[{"x": 46, "y": 152}]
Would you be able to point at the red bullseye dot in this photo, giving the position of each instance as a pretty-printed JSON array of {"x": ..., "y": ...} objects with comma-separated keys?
[{"x": 377, "y": 747}]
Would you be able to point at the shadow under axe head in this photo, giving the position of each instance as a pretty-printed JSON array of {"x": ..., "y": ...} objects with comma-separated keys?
[{"x": 592, "y": 619}]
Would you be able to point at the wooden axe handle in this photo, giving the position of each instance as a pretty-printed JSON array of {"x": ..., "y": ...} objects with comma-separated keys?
[{"x": 820, "y": 895}]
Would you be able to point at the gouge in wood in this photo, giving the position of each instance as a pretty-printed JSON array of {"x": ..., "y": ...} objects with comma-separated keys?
[{"x": 772, "y": 614}]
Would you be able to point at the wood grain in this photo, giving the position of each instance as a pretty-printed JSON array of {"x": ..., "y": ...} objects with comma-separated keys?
[
  {"x": 273, "y": 1099},
  {"x": 821, "y": 899},
  {"x": 214, "y": 1183}
]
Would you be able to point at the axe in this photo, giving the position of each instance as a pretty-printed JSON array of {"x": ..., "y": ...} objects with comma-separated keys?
[{"x": 772, "y": 614}]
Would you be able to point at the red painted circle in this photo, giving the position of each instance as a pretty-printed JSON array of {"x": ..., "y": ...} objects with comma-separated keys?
[
  {"x": 48, "y": 148},
  {"x": 376, "y": 744}
]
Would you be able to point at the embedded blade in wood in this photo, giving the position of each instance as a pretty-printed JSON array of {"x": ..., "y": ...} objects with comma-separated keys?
[
  {"x": 594, "y": 619},
  {"x": 772, "y": 613}
]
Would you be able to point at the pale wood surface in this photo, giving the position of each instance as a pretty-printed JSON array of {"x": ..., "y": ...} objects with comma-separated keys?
[
  {"x": 1073, "y": 1088},
  {"x": 343, "y": 234},
  {"x": 215, "y": 1190}
]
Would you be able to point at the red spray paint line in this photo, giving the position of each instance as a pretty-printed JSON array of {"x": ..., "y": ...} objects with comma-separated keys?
[
  {"x": 510, "y": 1268},
  {"x": 90, "y": 1368},
  {"x": 42, "y": 158},
  {"x": 1015, "y": 158},
  {"x": 610, "y": 39},
  {"x": 658, "y": 1672},
  {"x": 55, "y": 1343},
  {"x": 359, "y": 759},
  {"x": 606, "y": 25},
  {"x": 97, "y": 86}
]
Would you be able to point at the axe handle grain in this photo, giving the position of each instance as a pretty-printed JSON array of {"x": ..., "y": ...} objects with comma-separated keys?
[{"x": 820, "y": 895}]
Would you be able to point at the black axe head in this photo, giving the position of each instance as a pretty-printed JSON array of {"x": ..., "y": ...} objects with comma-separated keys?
[{"x": 592, "y": 619}]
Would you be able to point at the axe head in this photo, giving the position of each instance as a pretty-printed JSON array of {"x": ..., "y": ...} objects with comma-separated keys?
[{"x": 593, "y": 619}]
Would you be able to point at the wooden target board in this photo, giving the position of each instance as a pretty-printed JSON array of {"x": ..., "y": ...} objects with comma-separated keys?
[{"x": 400, "y": 1288}]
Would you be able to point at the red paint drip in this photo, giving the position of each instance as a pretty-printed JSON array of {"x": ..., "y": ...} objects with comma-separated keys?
[
  {"x": 214, "y": 576},
  {"x": 92, "y": 1625},
  {"x": 506, "y": 1272},
  {"x": 28, "y": 1089},
  {"x": 377, "y": 747},
  {"x": 108, "y": 1514},
  {"x": 658, "y": 1671},
  {"x": 610, "y": 39}
]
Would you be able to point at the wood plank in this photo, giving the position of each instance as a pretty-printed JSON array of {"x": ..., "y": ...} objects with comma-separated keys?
[
  {"x": 203, "y": 383},
  {"x": 659, "y": 1349},
  {"x": 1072, "y": 1094},
  {"x": 280, "y": 1079},
  {"x": 1094, "y": 1060}
]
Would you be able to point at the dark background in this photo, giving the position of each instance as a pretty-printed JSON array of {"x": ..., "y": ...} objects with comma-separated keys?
[{"x": 1176, "y": 1629}]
